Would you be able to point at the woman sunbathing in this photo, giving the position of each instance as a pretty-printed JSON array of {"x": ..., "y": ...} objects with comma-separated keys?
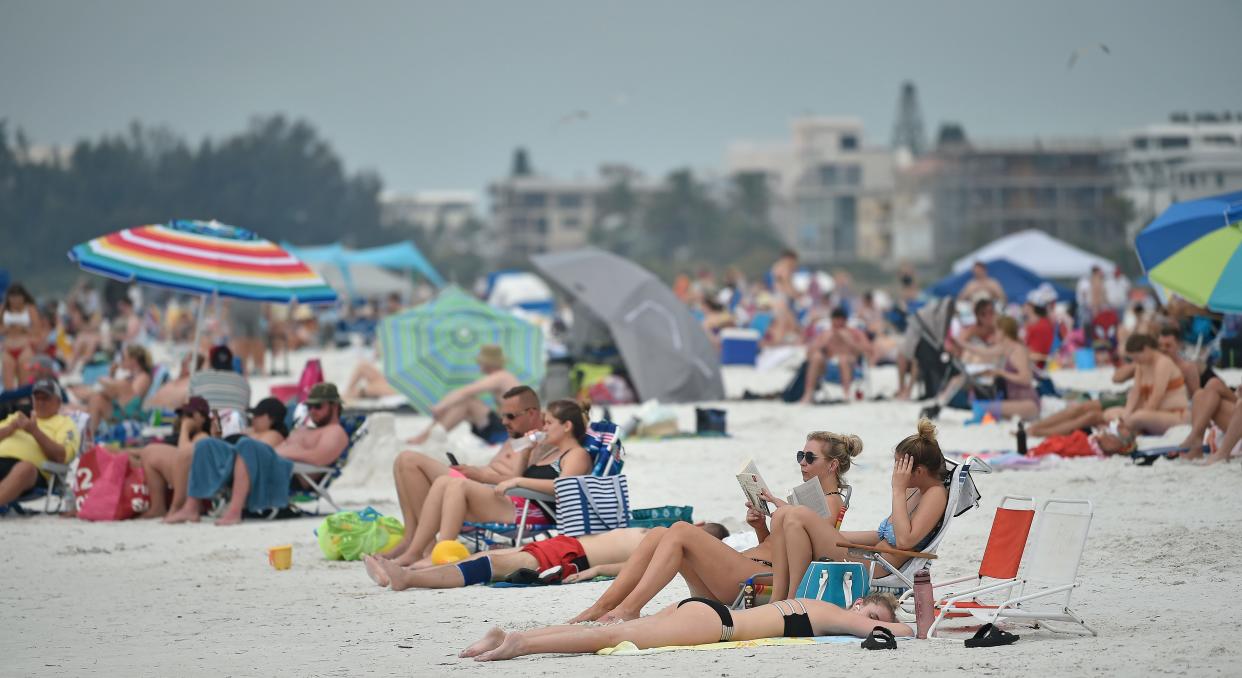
[
  {"x": 1155, "y": 403},
  {"x": 120, "y": 398},
  {"x": 1021, "y": 397},
  {"x": 918, "y": 501},
  {"x": 452, "y": 500},
  {"x": 695, "y": 621},
  {"x": 711, "y": 568}
]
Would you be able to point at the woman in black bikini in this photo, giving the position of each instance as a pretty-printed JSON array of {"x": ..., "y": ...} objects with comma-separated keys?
[
  {"x": 452, "y": 500},
  {"x": 711, "y": 568},
  {"x": 695, "y": 621}
]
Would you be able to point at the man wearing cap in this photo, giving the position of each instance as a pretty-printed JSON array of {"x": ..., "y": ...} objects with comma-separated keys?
[
  {"x": 26, "y": 442},
  {"x": 261, "y": 474},
  {"x": 465, "y": 403}
]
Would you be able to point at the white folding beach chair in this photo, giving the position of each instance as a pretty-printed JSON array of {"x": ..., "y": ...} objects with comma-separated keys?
[
  {"x": 1049, "y": 569},
  {"x": 962, "y": 497},
  {"x": 316, "y": 479}
]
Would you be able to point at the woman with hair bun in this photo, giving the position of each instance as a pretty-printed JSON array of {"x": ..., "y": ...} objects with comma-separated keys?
[
  {"x": 919, "y": 496},
  {"x": 453, "y": 500},
  {"x": 711, "y": 568}
]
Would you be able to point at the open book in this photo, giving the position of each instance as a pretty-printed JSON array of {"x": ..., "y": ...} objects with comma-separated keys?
[
  {"x": 752, "y": 485},
  {"x": 808, "y": 494}
]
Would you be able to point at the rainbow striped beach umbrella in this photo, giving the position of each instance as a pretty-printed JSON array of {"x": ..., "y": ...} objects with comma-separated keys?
[
  {"x": 1195, "y": 250},
  {"x": 204, "y": 257}
]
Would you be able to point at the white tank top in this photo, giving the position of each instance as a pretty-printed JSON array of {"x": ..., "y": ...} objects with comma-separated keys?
[{"x": 16, "y": 318}]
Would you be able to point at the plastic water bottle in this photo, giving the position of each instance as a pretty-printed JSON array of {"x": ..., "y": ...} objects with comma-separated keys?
[
  {"x": 924, "y": 612},
  {"x": 527, "y": 441},
  {"x": 1021, "y": 438}
]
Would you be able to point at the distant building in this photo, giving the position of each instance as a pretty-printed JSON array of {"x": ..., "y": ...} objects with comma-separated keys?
[
  {"x": 532, "y": 214},
  {"x": 426, "y": 210},
  {"x": 1067, "y": 188},
  {"x": 831, "y": 195},
  {"x": 1183, "y": 159}
]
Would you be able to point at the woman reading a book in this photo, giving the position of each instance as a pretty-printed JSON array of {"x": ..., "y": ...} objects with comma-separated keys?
[
  {"x": 711, "y": 568},
  {"x": 695, "y": 621},
  {"x": 919, "y": 497}
]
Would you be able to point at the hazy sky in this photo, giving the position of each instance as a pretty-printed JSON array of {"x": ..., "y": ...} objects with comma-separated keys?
[{"x": 436, "y": 96}]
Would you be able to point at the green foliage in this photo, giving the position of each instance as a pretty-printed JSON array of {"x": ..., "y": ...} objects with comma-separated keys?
[
  {"x": 681, "y": 226},
  {"x": 278, "y": 178}
]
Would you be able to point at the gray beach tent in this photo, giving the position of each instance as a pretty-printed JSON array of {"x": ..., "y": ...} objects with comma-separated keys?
[{"x": 615, "y": 301}]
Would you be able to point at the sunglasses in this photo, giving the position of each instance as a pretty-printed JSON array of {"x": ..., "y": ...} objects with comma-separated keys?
[
  {"x": 510, "y": 416},
  {"x": 808, "y": 456},
  {"x": 317, "y": 406}
]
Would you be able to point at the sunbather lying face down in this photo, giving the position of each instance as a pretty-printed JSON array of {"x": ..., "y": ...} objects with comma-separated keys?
[
  {"x": 711, "y": 568},
  {"x": 580, "y": 559},
  {"x": 799, "y": 535},
  {"x": 697, "y": 621}
]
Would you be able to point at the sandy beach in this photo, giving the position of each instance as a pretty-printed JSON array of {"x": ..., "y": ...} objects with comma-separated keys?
[{"x": 139, "y": 598}]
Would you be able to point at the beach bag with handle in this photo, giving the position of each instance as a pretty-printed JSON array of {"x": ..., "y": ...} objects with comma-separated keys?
[
  {"x": 590, "y": 504},
  {"x": 107, "y": 488}
]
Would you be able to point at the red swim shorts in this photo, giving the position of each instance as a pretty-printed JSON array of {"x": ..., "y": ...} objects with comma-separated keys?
[{"x": 560, "y": 550}]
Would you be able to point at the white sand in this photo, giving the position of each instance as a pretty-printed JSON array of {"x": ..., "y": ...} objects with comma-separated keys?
[{"x": 1159, "y": 576}]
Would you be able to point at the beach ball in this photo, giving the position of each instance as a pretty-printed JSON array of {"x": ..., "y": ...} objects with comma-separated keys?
[{"x": 448, "y": 551}]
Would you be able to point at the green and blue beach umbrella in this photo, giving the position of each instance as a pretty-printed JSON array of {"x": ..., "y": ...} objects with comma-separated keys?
[
  {"x": 431, "y": 350},
  {"x": 1195, "y": 250}
]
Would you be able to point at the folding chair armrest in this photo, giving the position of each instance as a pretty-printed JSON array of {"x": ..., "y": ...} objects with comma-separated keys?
[
  {"x": 950, "y": 582},
  {"x": 979, "y": 590},
  {"x": 1037, "y": 594},
  {"x": 887, "y": 550},
  {"x": 303, "y": 467},
  {"x": 530, "y": 494},
  {"x": 55, "y": 468}
]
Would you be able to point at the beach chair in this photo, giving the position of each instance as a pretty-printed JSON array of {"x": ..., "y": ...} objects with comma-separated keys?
[
  {"x": 1001, "y": 558},
  {"x": 1049, "y": 570},
  {"x": 602, "y": 442},
  {"x": 58, "y": 486},
  {"x": 317, "y": 479},
  {"x": 963, "y": 496}
]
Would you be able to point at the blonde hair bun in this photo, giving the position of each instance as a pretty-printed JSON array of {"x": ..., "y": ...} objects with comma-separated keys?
[
  {"x": 927, "y": 430},
  {"x": 853, "y": 444}
]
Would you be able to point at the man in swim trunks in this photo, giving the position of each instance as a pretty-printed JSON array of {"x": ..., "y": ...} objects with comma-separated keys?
[
  {"x": 466, "y": 404},
  {"x": 579, "y": 559}
]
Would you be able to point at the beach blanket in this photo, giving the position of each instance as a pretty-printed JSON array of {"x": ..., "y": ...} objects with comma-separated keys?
[
  {"x": 626, "y": 648},
  {"x": 511, "y": 585},
  {"x": 1002, "y": 459}
]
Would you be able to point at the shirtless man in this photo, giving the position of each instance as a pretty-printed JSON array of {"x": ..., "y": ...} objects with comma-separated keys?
[
  {"x": 982, "y": 285},
  {"x": 839, "y": 341},
  {"x": 563, "y": 558},
  {"x": 414, "y": 472},
  {"x": 464, "y": 404}
]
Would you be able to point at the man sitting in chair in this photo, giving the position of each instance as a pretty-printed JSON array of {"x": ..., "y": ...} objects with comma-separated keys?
[
  {"x": 839, "y": 341},
  {"x": 262, "y": 474},
  {"x": 414, "y": 472},
  {"x": 559, "y": 559},
  {"x": 465, "y": 403},
  {"x": 28, "y": 441}
]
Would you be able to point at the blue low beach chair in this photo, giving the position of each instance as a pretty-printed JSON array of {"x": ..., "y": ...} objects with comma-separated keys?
[{"x": 602, "y": 442}]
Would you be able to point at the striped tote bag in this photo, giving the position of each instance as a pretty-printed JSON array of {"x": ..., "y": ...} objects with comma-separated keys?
[{"x": 590, "y": 504}]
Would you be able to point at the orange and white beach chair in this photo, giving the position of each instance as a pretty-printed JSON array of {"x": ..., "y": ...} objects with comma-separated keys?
[{"x": 1049, "y": 571}]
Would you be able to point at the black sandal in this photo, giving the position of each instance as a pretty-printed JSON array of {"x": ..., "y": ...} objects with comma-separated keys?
[
  {"x": 880, "y": 639},
  {"x": 989, "y": 635},
  {"x": 524, "y": 577}
]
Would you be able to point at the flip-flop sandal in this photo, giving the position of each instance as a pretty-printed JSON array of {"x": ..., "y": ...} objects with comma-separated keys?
[
  {"x": 524, "y": 577},
  {"x": 552, "y": 575},
  {"x": 880, "y": 639},
  {"x": 989, "y": 635}
]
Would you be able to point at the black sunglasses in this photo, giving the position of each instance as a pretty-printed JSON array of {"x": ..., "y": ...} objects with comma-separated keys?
[
  {"x": 808, "y": 456},
  {"x": 509, "y": 416}
]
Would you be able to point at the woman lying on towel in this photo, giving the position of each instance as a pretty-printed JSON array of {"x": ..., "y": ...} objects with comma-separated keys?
[
  {"x": 1156, "y": 402},
  {"x": 696, "y": 621},
  {"x": 452, "y": 500},
  {"x": 918, "y": 501},
  {"x": 711, "y": 568}
]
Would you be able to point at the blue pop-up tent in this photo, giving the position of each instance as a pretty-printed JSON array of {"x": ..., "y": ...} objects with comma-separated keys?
[
  {"x": 401, "y": 256},
  {"x": 1014, "y": 279}
]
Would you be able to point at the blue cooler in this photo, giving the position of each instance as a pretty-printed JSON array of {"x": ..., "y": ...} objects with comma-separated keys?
[{"x": 739, "y": 346}]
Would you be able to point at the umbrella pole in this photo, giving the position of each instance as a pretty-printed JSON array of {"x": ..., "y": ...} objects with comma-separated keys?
[{"x": 198, "y": 326}]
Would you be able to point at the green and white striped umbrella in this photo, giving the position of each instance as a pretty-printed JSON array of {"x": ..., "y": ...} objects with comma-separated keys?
[{"x": 431, "y": 350}]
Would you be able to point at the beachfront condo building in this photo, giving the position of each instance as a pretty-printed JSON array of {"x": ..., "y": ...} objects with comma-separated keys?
[{"x": 831, "y": 195}]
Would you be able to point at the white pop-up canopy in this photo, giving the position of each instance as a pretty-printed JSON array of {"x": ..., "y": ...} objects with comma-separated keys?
[{"x": 1039, "y": 252}]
